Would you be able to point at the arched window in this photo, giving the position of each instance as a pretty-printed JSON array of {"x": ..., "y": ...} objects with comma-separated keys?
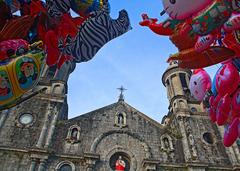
[
  {"x": 57, "y": 89},
  {"x": 73, "y": 135},
  {"x": 65, "y": 166},
  {"x": 120, "y": 119}
]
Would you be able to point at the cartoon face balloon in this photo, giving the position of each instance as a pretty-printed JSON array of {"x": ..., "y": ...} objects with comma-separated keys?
[
  {"x": 182, "y": 9},
  {"x": 200, "y": 83}
]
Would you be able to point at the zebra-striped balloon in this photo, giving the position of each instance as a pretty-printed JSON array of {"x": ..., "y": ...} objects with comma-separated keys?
[{"x": 95, "y": 32}]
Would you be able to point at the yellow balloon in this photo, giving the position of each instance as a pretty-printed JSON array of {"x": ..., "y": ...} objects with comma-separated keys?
[{"x": 18, "y": 76}]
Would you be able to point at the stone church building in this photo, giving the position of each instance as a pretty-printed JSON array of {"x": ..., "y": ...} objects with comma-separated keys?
[{"x": 37, "y": 135}]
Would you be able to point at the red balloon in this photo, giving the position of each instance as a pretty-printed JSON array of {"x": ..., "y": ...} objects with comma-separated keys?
[
  {"x": 223, "y": 109},
  {"x": 236, "y": 102},
  {"x": 227, "y": 79},
  {"x": 51, "y": 42},
  {"x": 231, "y": 133}
]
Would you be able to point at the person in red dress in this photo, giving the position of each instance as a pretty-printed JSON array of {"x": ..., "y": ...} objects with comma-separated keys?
[{"x": 120, "y": 164}]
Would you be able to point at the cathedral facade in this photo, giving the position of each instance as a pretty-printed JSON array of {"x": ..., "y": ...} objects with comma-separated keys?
[{"x": 37, "y": 135}]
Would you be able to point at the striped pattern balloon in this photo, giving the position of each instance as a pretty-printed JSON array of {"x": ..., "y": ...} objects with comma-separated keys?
[{"x": 95, "y": 32}]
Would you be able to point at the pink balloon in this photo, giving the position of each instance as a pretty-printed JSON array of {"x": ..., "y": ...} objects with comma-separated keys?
[
  {"x": 236, "y": 102},
  {"x": 10, "y": 47},
  {"x": 200, "y": 83},
  {"x": 231, "y": 133},
  {"x": 183, "y": 9},
  {"x": 227, "y": 79}
]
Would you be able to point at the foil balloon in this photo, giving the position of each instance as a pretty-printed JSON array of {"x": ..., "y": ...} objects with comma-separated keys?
[
  {"x": 226, "y": 76},
  {"x": 231, "y": 133},
  {"x": 12, "y": 47},
  {"x": 236, "y": 102},
  {"x": 200, "y": 83},
  {"x": 182, "y": 9},
  {"x": 223, "y": 110},
  {"x": 85, "y": 7},
  {"x": 19, "y": 75},
  {"x": 95, "y": 32},
  {"x": 200, "y": 24}
]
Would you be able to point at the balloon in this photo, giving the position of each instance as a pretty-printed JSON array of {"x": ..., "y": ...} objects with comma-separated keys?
[
  {"x": 19, "y": 75},
  {"x": 236, "y": 62},
  {"x": 95, "y": 33},
  {"x": 200, "y": 83},
  {"x": 85, "y": 7},
  {"x": 212, "y": 17},
  {"x": 236, "y": 102},
  {"x": 214, "y": 101},
  {"x": 182, "y": 9},
  {"x": 227, "y": 79},
  {"x": 201, "y": 25},
  {"x": 223, "y": 109},
  {"x": 12, "y": 47},
  {"x": 231, "y": 133},
  {"x": 212, "y": 114},
  {"x": 211, "y": 33},
  {"x": 214, "y": 89},
  {"x": 17, "y": 28}
]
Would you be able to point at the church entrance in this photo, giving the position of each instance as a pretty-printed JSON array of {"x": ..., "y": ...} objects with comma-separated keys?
[{"x": 120, "y": 162}]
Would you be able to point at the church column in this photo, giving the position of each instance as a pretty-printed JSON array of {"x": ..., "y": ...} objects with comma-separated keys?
[
  {"x": 44, "y": 128},
  {"x": 42, "y": 165},
  {"x": 52, "y": 128},
  {"x": 187, "y": 154},
  {"x": 33, "y": 164}
]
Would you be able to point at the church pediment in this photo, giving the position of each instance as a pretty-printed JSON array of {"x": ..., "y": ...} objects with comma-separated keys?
[{"x": 121, "y": 114}]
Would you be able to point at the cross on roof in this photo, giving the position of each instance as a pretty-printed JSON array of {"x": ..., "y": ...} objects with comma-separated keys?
[{"x": 121, "y": 96}]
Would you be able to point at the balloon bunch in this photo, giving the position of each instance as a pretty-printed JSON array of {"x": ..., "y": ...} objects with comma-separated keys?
[
  {"x": 208, "y": 28},
  {"x": 221, "y": 98},
  {"x": 207, "y": 32},
  {"x": 47, "y": 34}
]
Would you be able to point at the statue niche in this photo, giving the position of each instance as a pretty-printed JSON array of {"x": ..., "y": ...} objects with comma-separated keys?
[
  {"x": 73, "y": 135},
  {"x": 167, "y": 147},
  {"x": 120, "y": 119}
]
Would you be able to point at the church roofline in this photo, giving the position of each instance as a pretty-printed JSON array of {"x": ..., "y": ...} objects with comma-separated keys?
[{"x": 156, "y": 123}]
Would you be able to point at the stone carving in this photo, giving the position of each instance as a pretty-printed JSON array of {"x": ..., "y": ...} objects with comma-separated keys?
[
  {"x": 192, "y": 146},
  {"x": 191, "y": 141}
]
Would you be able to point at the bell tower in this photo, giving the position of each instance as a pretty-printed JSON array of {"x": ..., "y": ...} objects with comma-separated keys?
[
  {"x": 176, "y": 80},
  {"x": 201, "y": 139}
]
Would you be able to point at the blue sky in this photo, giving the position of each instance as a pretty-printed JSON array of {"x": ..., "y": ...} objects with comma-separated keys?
[{"x": 135, "y": 60}]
